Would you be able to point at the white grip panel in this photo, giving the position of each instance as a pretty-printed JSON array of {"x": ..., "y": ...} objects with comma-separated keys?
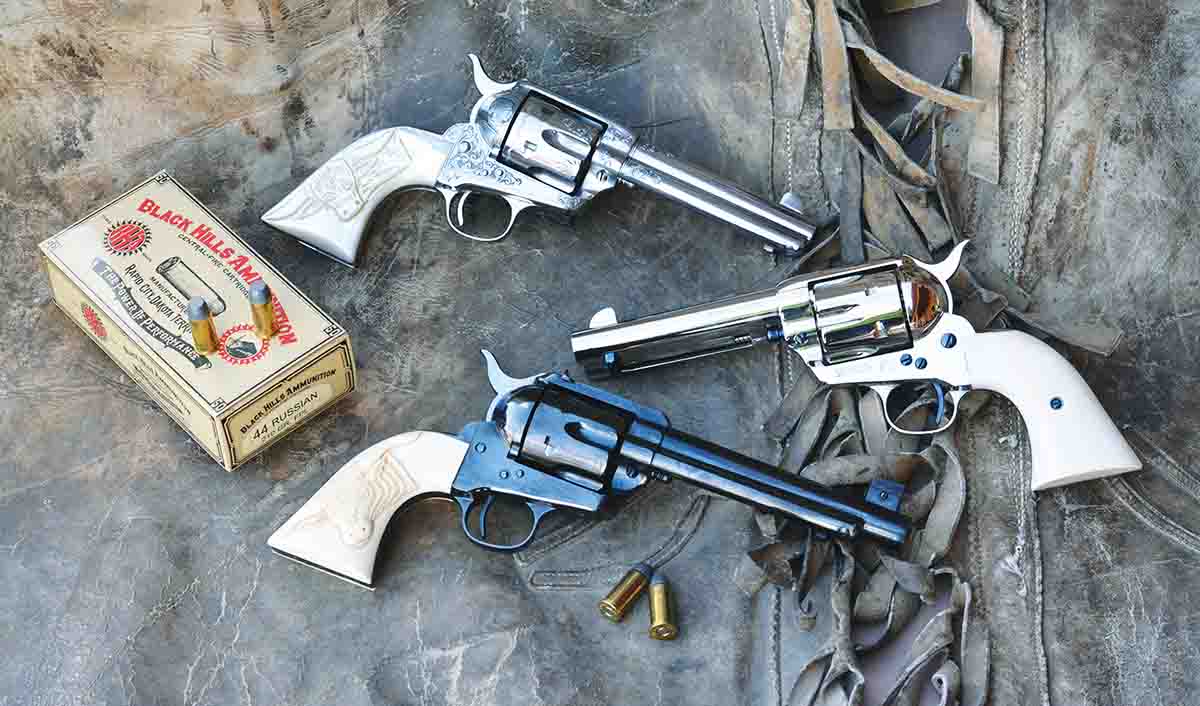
[
  {"x": 339, "y": 528},
  {"x": 1076, "y": 442},
  {"x": 330, "y": 210}
]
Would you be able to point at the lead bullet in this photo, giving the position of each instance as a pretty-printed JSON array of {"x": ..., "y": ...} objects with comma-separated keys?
[
  {"x": 261, "y": 309},
  {"x": 204, "y": 331}
]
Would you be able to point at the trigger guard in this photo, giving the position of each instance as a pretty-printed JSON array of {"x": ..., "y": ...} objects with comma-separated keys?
[
  {"x": 456, "y": 203},
  {"x": 884, "y": 391},
  {"x": 538, "y": 509}
]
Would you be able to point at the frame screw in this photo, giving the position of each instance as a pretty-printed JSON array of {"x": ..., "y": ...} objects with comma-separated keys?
[
  {"x": 480, "y": 447},
  {"x": 921, "y": 363},
  {"x": 906, "y": 359},
  {"x": 949, "y": 340},
  {"x": 1056, "y": 403},
  {"x": 503, "y": 474}
]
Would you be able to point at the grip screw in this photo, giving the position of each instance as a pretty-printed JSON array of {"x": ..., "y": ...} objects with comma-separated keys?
[
  {"x": 1056, "y": 403},
  {"x": 949, "y": 340},
  {"x": 906, "y": 359},
  {"x": 921, "y": 363}
]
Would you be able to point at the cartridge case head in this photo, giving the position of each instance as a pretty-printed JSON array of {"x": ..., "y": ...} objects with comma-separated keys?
[
  {"x": 662, "y": 618},
  {"x": 614, "y": 605}
]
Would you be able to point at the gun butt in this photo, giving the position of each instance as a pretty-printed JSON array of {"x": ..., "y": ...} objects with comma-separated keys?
[
  {"x": 330, "y": 210},
  {"x": 338, "y": 530},
  {"x": 1071, "y": 437}
]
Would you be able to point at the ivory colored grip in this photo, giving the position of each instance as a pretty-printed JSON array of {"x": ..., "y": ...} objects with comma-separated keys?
[
  {"x": 1071, "y": 437},
  {"x": 338, "y": 530},
  {"x": 330, "y": 209}
]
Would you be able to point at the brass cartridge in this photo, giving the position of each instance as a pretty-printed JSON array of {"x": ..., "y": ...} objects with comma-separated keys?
[
  {"x": 204, "y": 331},
  {"x": 261, "y": 309},
  {"x": 662, "y": 619},
  {"x": 617, "y": 602}
]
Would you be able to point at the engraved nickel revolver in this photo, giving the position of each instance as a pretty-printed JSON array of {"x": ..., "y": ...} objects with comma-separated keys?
[
  {"x": 550, "y": 443},
  {"x": 525, "y": 145}
]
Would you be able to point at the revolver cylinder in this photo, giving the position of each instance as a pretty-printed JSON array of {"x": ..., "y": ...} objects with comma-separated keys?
[{"x": 581, "y": 153}]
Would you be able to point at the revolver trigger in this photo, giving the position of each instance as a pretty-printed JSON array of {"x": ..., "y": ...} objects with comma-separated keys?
[
  {"x": 456, "y": 213},
  {"x": 483, "y": 511}
]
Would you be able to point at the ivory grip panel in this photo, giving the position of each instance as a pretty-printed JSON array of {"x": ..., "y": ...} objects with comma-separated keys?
[
  {"x": 330, "y": 209},
  {"x": 1071, "y": 437},
  {"x": 338, "y": 530}
]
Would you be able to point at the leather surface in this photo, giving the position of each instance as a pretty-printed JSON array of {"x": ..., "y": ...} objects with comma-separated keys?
[
  {"x": 1114, "y": 236},
  {"x": 139, "y": 571}
]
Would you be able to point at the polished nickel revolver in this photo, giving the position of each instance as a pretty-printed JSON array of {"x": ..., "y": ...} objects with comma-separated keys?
[
  {"x": 888, "y": 325},
  {"x": 526, "y": 145},
  {"x": 550, "y": 443}
]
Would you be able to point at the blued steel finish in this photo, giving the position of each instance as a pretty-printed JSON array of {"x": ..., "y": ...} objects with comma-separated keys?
[
  {"x": 616, "y": 604},
  {"x": 574, "y": 433},
  {"x": 662, "y": 614}
]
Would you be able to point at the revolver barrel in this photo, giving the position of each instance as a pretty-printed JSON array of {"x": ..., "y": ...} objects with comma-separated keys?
[
  {"x": 692, "y": 186},
  {"x": 727, "y": 324}
]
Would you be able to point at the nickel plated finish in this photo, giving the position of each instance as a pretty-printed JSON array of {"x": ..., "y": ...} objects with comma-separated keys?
[
  {"x": 524, "y": 145},
  {"x": 836, "y": 320}
]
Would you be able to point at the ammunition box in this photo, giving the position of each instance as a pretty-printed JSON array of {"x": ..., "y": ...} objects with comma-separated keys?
[{"x": 121, "y": 275}]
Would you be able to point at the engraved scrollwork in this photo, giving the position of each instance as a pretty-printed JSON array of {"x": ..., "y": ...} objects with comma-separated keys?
[
  {"x": 470, "y": 159},
  {"x": 641, "y": 174}
]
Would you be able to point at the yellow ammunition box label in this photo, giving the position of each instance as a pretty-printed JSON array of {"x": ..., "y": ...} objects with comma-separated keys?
[{"x": 289, "y": 402}]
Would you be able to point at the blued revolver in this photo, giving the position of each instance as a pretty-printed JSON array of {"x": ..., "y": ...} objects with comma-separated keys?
[
  {"x": 551, "y": 443},
  {"x": 525, "y": 145},
  {"x": 887, "y": 325}
]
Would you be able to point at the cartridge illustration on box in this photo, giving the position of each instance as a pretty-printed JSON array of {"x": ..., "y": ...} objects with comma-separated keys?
[{"x": 227, "y": 347}]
